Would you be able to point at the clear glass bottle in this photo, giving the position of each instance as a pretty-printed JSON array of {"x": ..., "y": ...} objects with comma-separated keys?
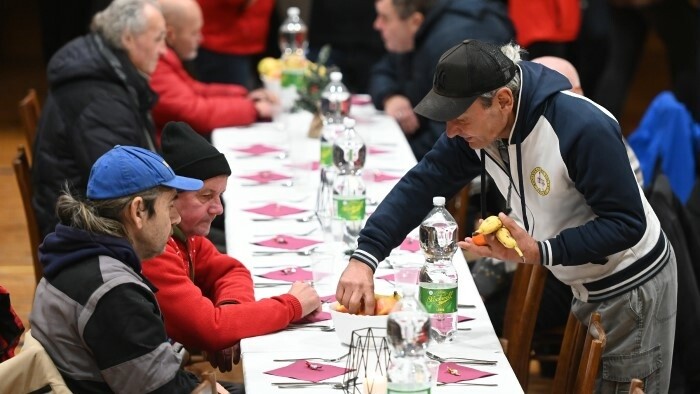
[
  {"x": 349, "y": 190},
  {"x": 438, "y": 277},
  {"x": 408, "y": 333},
  {"x": 292, "y": 34}
]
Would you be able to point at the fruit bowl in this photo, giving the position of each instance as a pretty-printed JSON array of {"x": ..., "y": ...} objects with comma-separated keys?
[{"x": 345, "y": 323}]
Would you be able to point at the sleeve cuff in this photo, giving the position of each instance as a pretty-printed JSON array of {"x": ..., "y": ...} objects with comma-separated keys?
[
  {"x": 367, "y": 258},
  {"x": 545, "y": 253}
]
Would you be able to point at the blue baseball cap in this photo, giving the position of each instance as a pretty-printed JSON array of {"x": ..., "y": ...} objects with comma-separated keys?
[{"x": 126, "y": 170}]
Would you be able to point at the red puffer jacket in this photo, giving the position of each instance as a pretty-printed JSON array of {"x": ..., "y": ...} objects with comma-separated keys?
[
  {"x": 204, "y": 106},
  {"x": 236, "y": 27}
]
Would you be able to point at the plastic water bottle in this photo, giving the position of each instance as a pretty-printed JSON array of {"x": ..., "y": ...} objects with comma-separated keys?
[
  {"x": 335, "y": 98},
  {"x": 349, "y": 190},
  {"x": 292, "y": 34},
  {"x": 438, "y": 277},
  {"x": 408, "y": 333}
]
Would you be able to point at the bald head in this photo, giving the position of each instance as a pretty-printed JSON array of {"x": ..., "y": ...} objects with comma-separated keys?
[
  {"x": 563, "y": 67},
  {"x": 183, "y": 19}
]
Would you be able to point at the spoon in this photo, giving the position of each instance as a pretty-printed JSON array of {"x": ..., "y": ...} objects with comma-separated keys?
[
  {"x": 300, "y": 220},
  {"x": 285, "y": 183}
]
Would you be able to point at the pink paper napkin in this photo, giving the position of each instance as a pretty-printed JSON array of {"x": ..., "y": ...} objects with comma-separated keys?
[
  {"x": 275, "y": 210},
  {"x": 286, "y": 275},
  {"x": 461, "y": 318},
  {"x": 328, "y": 299},
  {"x": 376, "y": 151},
  {"x": 300, "y": 370},
  {"x": 309, "y": 166},
  {"x": 315, "y": 317},
  {"x": 265, "y": 176},
  {"x": 389, "y": 277},
  {"x": 465, "y": 373},
  {"x": 360, "y": 99},
  {"x": 410, "y": 244},
  {"x": 287, "y": 242},
  {"x": 258, "y": 149}
]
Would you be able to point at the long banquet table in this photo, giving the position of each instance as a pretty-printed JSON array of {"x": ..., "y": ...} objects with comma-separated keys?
[{"x": 388, "y": 154}]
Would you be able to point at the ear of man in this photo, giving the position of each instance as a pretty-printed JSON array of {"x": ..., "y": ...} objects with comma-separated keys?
[{"x": 136, "y": 212}]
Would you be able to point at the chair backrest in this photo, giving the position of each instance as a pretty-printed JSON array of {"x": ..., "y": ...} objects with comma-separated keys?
[
  {"x": 636, "y": 386},
  {"x": 580, "y": 356},
  {"x": 29, "y": 112},
  {"x": 31, "y": 370},
  {"x": 521, "y": 316},
  {"x": 457, "y": 206},
  {"x": 23, "y": 174},
  {"x": 207, "y": 385}
]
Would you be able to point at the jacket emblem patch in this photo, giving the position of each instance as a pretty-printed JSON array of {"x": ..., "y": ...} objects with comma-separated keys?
[{"x": 540, "y": 181}]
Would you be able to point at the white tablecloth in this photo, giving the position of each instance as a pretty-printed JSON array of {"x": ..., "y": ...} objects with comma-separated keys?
[{"x": 381, "y": 134}]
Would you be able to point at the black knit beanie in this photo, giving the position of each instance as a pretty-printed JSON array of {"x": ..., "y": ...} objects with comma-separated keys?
[{"x": 191, "y": 155}]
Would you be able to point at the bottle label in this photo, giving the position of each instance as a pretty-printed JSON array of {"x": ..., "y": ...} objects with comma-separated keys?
[
  {"x": 326, "y": 154},
  {"x": 292, "y": 77},
  {"x": 350, "y": 208},
  {"x": 438, "y": 300}
]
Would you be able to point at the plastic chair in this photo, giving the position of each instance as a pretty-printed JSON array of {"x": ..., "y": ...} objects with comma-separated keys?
[
  {"x": 32, "y": 370},
  {"x": 521, "y": 316},
  {"x": 23, "y": 174},
  {"x": 580, "y": 356},
  {"x": 457, "y": 206}
]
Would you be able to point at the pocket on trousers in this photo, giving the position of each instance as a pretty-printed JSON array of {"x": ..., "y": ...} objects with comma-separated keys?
[{"x": 623, "y": 368}]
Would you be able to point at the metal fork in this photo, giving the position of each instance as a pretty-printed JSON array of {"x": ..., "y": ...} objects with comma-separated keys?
[
  {"x": 307, "y": 252},
  {"x": 325, "y": 360},
  {"x": 460, "y": 360},
  {"x": 301, "y": 220},
  {"x": 305, "y": 233},
  {"x": 305, "y": 328}
]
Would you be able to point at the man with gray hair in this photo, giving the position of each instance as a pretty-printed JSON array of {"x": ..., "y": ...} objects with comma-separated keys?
[
  {"x": 98, "y": 97},
  {"x": 94, "y": 312}
]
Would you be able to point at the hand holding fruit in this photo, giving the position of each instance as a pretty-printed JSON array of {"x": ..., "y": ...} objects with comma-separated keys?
[
  {"x": 503, "y": 229},
  {"x": 383, "y": 304}
]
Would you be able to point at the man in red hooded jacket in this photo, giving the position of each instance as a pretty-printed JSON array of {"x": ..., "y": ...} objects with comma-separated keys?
[
  {"x": 204, "y": 106},
  {"x": 207, "y": 297}
]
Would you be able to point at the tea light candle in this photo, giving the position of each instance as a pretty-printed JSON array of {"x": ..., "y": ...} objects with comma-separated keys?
[{"x": 374, "y": 385}]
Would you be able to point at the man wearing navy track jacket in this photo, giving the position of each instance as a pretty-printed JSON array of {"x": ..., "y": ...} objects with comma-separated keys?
[{"x": 559, "y": 160}]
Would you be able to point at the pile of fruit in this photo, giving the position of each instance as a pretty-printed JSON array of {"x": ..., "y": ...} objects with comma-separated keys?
[
  {"x": 383, "y": 304},
  {"x": 272, "y": 68}
]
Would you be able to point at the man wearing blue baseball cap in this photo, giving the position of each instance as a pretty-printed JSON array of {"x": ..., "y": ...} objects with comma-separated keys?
[{"x": 93, "y": 311}]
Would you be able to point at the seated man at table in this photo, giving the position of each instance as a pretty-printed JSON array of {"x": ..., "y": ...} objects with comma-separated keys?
[
  {"x": 207, "y": 297},
  {"x": 181, "y": 98},
  {"x": 416, "y": 33},
  {"x": 93, "y": 312}
]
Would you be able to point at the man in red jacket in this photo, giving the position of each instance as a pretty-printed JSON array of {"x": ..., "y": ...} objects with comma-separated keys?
[
  {"x": 181, "y": 98},
  {"x": 207, "y": 297}
]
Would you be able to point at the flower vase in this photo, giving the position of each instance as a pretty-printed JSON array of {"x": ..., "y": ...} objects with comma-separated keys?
[{"x": 316, "y": 126}]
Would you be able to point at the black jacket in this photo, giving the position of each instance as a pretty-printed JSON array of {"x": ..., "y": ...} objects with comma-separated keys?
[
  {"x": 99, "y": 320},
  {"x": 446, "y": 24},
  {"x": 97, "y": 99}
]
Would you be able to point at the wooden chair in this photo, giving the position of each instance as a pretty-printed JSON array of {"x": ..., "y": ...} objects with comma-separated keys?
[
  {"x": 457, "y": 206},
  {"x": 207, "y": 385},
  {"x": 521, "y": 316},
  {"x": 29, "y": 112},
  {"x": 580, "y": 356},
  {"x": 636, "y": 386},
  {"x": 23, "y": 174}
]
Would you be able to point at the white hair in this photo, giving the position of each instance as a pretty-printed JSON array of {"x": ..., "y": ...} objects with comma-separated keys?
[
  {"x": 512, "y": 52},
  {"x": 120, "y": 17}
]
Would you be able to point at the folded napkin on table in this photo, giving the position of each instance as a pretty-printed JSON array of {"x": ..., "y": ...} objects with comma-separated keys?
[
  {"x": 378, "y": 176},
  {"x": 410, "y": 244},
  {"x": 373, "y": 150},
  {"x": 309, "y": 166},
  {"x": 314, "y": 317},
  {"x": 258, "y": 149},
  {"x": 464, "y": 373},
  {"x": 300, "y": 370},
  {"x": 265, "y": 176},
  {"x": 287, "y": 242},
  {"x": 291, "y": 274},
  {"x": 275, "y": 210}
]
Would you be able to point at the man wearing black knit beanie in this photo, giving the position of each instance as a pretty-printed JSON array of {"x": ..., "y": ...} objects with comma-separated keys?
[{"x": 207, "y": 297}]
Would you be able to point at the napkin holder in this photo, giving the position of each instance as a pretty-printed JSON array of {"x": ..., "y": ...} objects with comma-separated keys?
[{"x": 367, "y": 362}]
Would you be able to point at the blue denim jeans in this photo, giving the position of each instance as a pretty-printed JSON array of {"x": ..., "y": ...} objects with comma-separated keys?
[{"x": 640, "y": 327}]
